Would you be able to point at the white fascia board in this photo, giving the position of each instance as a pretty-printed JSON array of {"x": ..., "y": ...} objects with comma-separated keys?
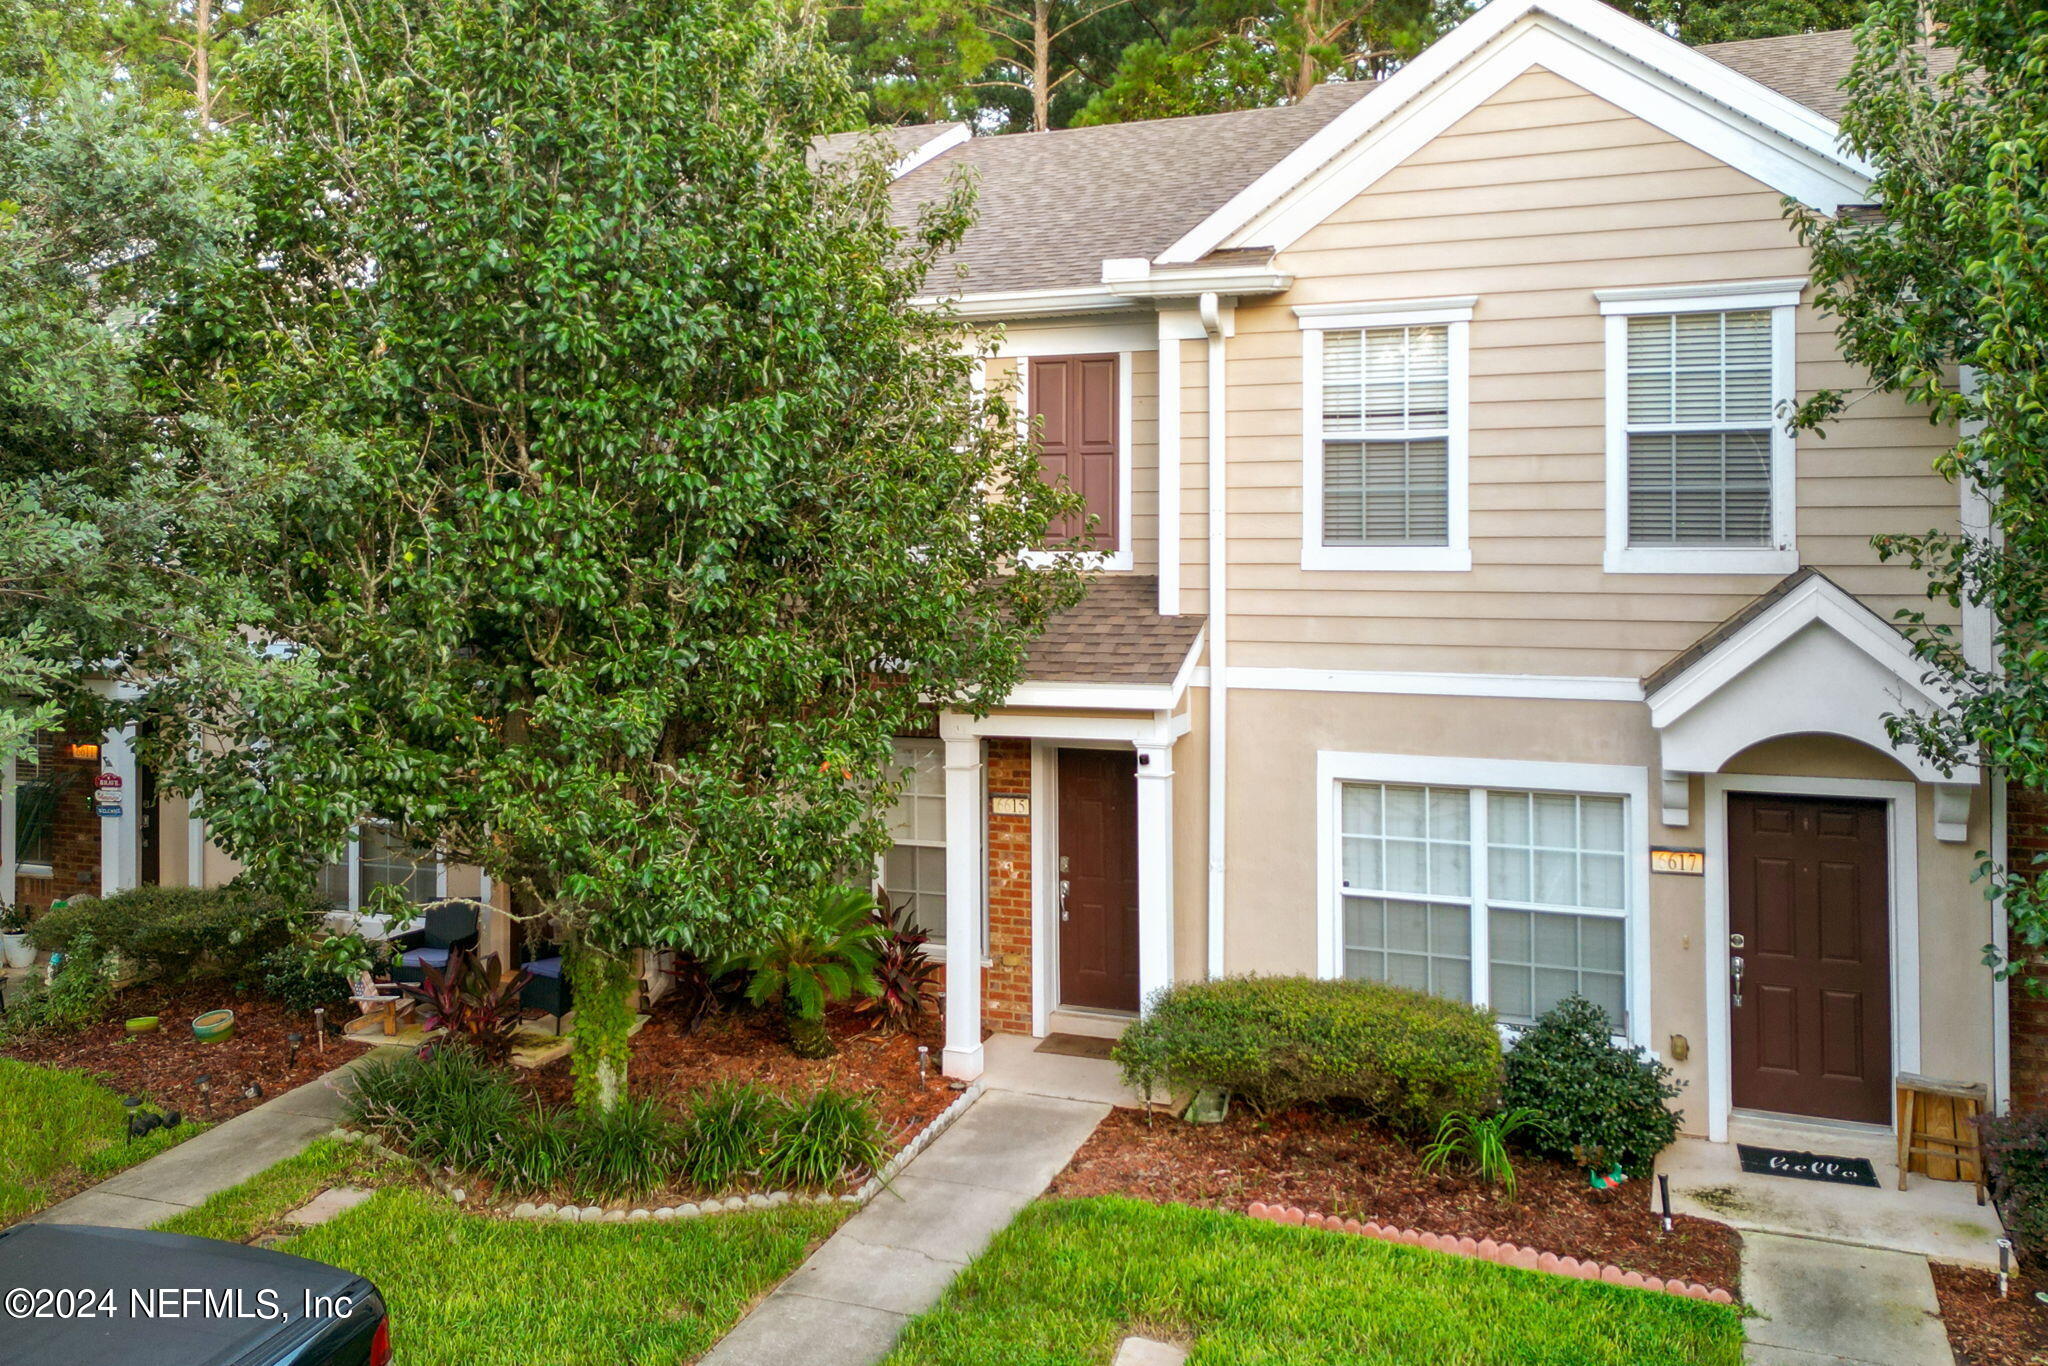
[
  {"x": 954, "y": 135},
  {"x": 1151, "y": 697},
  {"x": 1780, "y": 141},
  {"x": 1133, "y": 277},
  {"x": 994, "y": 305},
  {"x": 1547, "y": 687},
  {"x": 1816, "y": 600}
]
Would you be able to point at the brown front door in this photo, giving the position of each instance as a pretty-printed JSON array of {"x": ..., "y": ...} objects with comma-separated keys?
[
  {"x": 1073, "y": 409},
  {"x": 1808, "y": 915},
  {"x": 1097, "y": 866}
]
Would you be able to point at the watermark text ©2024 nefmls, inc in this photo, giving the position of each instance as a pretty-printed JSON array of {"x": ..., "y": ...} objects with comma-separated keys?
[{"x": 172, "y": 1302}]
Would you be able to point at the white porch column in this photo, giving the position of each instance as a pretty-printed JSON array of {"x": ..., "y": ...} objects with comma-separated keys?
[
  {"x": 7, "y": 883},
  {"x": 120, "y": 851},
  {"x": 1155, "y": 869},
  {"x": 965, "y": 859}
]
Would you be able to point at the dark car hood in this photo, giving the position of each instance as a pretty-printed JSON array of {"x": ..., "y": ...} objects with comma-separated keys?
[{"x": 74, "y": 1258}]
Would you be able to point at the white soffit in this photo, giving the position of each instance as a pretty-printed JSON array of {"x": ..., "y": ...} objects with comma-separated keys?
[
  {"x": 1696, "y": 99},
  {"x": 1817, "y": 661}
]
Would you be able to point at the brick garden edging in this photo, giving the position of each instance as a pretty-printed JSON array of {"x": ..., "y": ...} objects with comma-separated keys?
[
  {"x": 1487, "y": 1250},
  {"x": 599, "y": 1214}
]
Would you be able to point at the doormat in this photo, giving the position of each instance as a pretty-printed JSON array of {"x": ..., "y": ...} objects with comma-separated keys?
[
  {"x": 1836, "y": 1171},
  {"x": 1076, "y": 1046}
]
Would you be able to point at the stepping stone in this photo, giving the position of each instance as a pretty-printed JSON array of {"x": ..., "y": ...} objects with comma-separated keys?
[
  {"x": 1148, "y": 1352},
  {"x": 327, "y": 1204}
]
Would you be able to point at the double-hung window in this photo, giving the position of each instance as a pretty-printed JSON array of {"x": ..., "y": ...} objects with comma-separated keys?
[
  {"x": 375, "y": 858},
  {"x": 1384, "y": 462},
  {"x": 1502, "y": 896},
  {"x": 1700, "y": 463},
  {"x": 914, "y": 869}
]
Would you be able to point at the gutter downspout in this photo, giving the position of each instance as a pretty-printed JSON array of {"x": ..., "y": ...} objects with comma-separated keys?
[{"x": 1219, "y": 619}]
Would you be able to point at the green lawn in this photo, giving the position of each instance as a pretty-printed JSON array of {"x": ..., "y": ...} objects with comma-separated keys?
[
  {"x": 59, "y": 1129},
  {"x": 491, "y": 1292},
  {"x": 1071, "y": 1278}
]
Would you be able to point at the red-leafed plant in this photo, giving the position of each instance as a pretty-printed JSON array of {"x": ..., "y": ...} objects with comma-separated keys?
[
  {"x": 472, "y": 1002},
  {"x": 906, "y": 978}
]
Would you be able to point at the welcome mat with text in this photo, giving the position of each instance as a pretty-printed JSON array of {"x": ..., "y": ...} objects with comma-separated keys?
[{"x": 1839, "y": 1171}]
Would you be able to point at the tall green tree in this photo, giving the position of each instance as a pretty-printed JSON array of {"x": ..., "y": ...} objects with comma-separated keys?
[
  {"x": 110, "y": 225},
  {"x": 1942, "y": 296},
  {"x": 652, "y": 507},
  {"x": 1218, "y": 55},
  {"x": 1721, "y": 21}
]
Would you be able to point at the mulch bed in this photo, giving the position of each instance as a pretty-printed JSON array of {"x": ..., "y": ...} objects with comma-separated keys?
[
  {"x": 1333, "y": 1164},
  {"x": 164, "y": 1066},
  {"x": 746, "y": 1045},
  {"x": 1984, "y": 1330}
]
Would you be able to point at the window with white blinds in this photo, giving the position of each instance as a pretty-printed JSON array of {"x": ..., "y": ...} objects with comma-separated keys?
[
  {"x": 1386, "y": 433},
  {"x": 914, "y": 869},
  {"x": 1700, "y": 401}
]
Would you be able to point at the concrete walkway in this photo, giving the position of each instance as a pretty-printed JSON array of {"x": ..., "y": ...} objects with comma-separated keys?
[
  {"x": 890, "y": 1262},
  {"x": 1823, "y": 1303},
  {"x": 225, "y": 1155}
]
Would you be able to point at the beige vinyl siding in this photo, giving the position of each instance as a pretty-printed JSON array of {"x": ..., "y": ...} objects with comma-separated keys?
[{"x": 1531, "y": 203}]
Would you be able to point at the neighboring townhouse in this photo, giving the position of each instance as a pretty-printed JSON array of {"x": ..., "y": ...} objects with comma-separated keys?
[{"x": 1464, "y": 616}]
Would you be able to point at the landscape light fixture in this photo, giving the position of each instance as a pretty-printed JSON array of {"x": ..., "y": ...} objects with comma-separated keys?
[
  {"x": 1664, "y": 1196},
  {"x": 292, "y": 1041},
  {"x": 924, "y": 1055},
  {"x": 2004, "y": 1266}
]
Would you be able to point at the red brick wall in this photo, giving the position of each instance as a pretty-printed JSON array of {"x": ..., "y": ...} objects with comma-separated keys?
[
  {"x": 2027, "y": 835},
  {"x": 1006, "y": 986},
  {"x": 76, "y": 831}
]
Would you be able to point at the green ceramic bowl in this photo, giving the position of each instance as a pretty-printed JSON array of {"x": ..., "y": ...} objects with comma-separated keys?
[
  {"x": 214, "y": 1024},
  {"x": 142, "y": 1024}
]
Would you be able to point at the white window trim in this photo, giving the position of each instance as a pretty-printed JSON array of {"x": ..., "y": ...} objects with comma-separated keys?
[
  {"x": 1617, "y": 306},
  {"x": 935, "y": 949},
  {"x": 354, "y": 862},
  {"x": 1122, "y": 557},
  {"x": 1336, "y": 767},
  {"x": 1314, "y": 320}
]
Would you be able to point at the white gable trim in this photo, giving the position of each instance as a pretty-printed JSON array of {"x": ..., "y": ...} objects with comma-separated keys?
[
  {"x": 1691, "y": 96},
  {"x": 1816, "y": 661},
  {"x": 953, "y": 136}
]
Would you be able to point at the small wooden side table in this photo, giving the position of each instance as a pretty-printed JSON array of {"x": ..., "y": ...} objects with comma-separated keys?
[{"x": 1937, "y": 1125}]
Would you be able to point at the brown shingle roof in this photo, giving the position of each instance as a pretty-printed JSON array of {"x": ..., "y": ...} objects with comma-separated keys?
[
  {"x": 1807, "y": 67},
  {"x": 1114, "y": 635},
  {"x": 901, "y": 139},
  {"x": 1670, "y": 669},
  {"x": 1053, "y": 206}
]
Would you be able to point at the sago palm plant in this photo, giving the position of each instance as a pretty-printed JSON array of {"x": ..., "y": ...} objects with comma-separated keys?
[{"x": 825, "y": 953}]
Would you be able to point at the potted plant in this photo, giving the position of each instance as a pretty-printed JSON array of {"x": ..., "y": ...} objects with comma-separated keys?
[{"x": 14, "y": 945}]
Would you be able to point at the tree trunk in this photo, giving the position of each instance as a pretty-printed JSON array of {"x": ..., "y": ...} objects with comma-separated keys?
[
  {"x": 808, "y": 1038},
  {"x": 1041, "y": 65},
  {"x": 202, "y": 63},
  {"x": 601, "y": 985}
]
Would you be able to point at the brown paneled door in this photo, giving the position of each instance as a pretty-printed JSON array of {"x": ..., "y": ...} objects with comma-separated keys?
[
  {"x": 1098, "y": 878},
  {"x": 1073, "y": 409},
  {"x": 1809, "y": 918}
]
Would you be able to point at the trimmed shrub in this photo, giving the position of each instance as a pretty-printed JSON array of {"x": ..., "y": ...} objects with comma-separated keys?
[
  {"x": 1602, "y": 1103},
  {"x": 175, "y": 932},
  {"x": 1280, "y": 1041},
  {"x": 75, "y": 996},
  {"x": 299, "y": 982},
  {"x": 2016, "y": 1160}
]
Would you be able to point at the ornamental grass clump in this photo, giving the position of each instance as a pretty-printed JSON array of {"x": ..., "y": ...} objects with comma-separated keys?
[
  {"x": 823, "y": 1139},
  {"x": 1275, "y": 1042},
  {"x": 727, "y": 1133}
]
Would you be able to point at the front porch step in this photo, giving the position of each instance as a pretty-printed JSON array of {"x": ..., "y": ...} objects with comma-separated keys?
[{"x": 1095, "y": 1024}]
